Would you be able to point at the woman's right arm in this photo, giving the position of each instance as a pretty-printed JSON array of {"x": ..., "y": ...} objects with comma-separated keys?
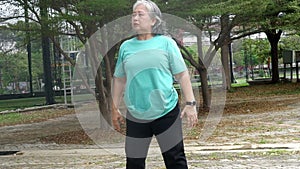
[{"x": 118, "y": 87}]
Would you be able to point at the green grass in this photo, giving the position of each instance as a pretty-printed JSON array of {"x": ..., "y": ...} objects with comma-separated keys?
[
  {"x": 13, "y": 104},
  {"x": 13, "y": 118},
  {"x": 29, "y": 117},
  {"x": 23, "y": 118},
  {"x": 240, "y": 83},
  {"x": 16, "y": 117},
  {"x": 263, "y": 141}
]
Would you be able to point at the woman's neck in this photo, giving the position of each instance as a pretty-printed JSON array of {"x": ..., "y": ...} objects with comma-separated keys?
[{"x": 145, "y": 36}]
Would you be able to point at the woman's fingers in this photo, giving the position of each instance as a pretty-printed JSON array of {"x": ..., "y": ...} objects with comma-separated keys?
[{"x": 191, "y": 114}]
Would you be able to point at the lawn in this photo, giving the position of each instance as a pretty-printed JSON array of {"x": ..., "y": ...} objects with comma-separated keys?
[
  {"x": 13, "y": 104},
  {"x": 31, "y": 116}
]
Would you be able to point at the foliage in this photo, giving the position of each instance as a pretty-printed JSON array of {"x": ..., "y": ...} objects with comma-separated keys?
[
  {"x": 290, "y": 42},
  {"x": 16, "y": 72},
  {"x": 81, "y": 18},
  {"x": 14, "y": 61},
  {"x": 258, "y": 49}
]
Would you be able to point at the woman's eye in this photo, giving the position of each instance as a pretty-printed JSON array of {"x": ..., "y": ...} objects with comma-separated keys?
[
  {"x": 141, "y": 14},
  {"x": 138, "y": 14}
]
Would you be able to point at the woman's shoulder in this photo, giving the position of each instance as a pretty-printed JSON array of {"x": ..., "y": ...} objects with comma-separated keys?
[
  {"x": 166, "y": 39},
  {"x": 163, "y": 37},
  {"x": 127, "y": 42}
]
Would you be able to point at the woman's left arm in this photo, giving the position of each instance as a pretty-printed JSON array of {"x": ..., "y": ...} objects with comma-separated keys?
[{"x": 186, "y": 87}]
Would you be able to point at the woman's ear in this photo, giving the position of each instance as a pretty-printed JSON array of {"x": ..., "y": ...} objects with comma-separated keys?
[{"x": 154, "y": 20}]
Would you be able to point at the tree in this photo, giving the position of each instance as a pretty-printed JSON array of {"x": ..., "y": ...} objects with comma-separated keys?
[
  {"x": 12, "y": 75},
  {"x": 91, "y": 19},
  {"x": 188, "y": 11},
  {"x": 13, "y": 44},
  {"x": 46, "y": 52},
  {"x": 83, "y": 18},
  {"x": 41, "y": 16},
  {"x": 290, "y": 42},
  {"x": 275, "y": 24},
  {"x": 243, "y": 21},
  {"x": 28, "y": 48},
  {"x": 258, "y": 48}
]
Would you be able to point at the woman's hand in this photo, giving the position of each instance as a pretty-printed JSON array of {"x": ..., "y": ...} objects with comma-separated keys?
[
  {"x": 191, "y": 114},
  {"x": 186, "y": 86},
  {"x": 117, "y": 119}
]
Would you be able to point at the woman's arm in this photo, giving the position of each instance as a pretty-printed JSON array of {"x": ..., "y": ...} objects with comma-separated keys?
[
  {"x": 186, "y": 87},
  {"x": 118, "y": 87}
]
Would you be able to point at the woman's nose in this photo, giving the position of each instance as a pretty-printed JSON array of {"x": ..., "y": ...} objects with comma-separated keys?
[{"x": 135, "y": 17}]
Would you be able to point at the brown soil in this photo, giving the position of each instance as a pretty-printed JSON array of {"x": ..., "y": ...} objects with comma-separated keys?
[{"x": 251, "y": 111}]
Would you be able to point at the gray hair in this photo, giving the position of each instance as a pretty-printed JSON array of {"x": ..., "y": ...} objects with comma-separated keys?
[{"x": 154, "y": 12}]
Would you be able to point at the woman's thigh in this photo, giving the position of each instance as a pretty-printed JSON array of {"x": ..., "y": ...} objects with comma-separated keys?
[
  {"x": 138, "y": 138},
  {"x": 168, "y": 129}
]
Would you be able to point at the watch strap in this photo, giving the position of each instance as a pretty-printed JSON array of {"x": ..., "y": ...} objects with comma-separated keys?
[{"x": 192, "y": 103}]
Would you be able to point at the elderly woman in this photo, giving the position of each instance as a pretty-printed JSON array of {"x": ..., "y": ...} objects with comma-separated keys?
[{"x": 145, "y": 68}]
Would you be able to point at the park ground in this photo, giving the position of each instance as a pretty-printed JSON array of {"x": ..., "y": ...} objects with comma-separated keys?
[{"x": 259, "y": 128}]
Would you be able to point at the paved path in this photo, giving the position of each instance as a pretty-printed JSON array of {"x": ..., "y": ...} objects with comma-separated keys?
[{"x": 239, "y": 157}]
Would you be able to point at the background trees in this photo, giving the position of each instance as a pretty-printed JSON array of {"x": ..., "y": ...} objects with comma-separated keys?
[{"x": 223, "y": 22}]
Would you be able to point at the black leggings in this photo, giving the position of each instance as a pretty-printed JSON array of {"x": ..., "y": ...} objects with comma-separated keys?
[{"x": 168, "y": 132}]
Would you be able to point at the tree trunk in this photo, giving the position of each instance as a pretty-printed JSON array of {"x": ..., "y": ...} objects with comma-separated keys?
[
  {"x": 274, "y": 37},
  {"x": 225, "y": 63},
  {"x": 203, "y": 75},
  {"x": 201, "y": 68},
  {"x": 49, "y": 94},
  {"x": 94, "y": 49},
  {"x": 28, "y": 47},
  {"x": 104, "y": 84},
  {"x": 204, "y": 89},
  {"x": 225, "y": 52},
  {"x": 105, "y": 120}
]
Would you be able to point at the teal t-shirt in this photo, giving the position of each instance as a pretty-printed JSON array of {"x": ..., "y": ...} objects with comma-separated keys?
[{"x": 149, "y": 67}]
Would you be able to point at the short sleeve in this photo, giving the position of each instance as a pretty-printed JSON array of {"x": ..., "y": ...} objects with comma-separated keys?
[
  {"x": 119, "y": 69},
  {"x": 176, "y": 60}
]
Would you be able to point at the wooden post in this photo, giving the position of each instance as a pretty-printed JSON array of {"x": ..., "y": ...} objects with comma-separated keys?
[
  {"x": 287, "y": 59},
  {"x": 284, "y": 71},
  {"x": 297, "y": 71},
  {"x": 297, "y": 55},
  {"x": 291, "y": 67}
]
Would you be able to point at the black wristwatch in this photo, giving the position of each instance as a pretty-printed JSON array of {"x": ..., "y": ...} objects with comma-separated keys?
[{"x": 192, "y": 103}]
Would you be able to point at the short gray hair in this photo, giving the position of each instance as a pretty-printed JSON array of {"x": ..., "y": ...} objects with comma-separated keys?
[{"x": 154, "y": 12}]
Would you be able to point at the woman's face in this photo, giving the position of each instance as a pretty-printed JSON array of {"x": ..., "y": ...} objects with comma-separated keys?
[{"x": 141, "y": 21}]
